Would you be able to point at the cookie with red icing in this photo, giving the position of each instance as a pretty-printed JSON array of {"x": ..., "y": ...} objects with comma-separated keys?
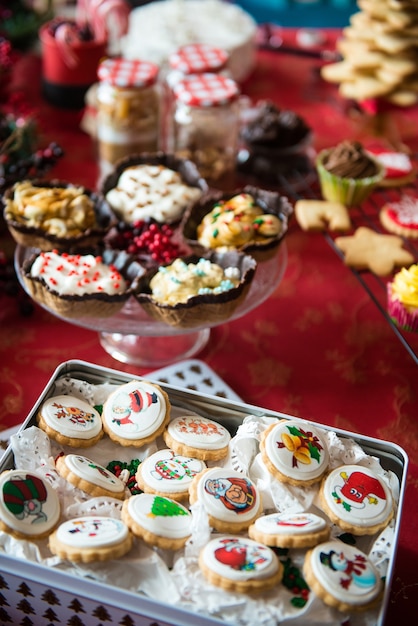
[
  {"x": 401, "y": 217},
  {"x": 399, "y": 169}
]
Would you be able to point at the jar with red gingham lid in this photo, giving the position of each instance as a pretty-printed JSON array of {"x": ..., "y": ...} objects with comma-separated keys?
[
  {"x": 206, "y": 124},
  {"x": 128, "y": 109}
]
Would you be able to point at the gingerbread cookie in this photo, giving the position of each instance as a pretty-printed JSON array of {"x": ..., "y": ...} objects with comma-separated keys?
[
  {"x": 357, "y": 500},
  {"x": 91, "y": 538},
  {"x": 199, "y": 437},
  {"x": 70, "y": 421},
  {"x": 89, "y": 476},
  {"x": 401, "y": 218},
  {"x": 342, "y": 576},
  {"x": 136, "y": 413},
  {"x": 367, "y": 249},
  {"x": 398, "y": 167},
  {"x": 238, "y": 564},
  {"x": 290, "y": 530},
  {"x": 294, "y": 452},
  {"x": 319, "y": 215}
]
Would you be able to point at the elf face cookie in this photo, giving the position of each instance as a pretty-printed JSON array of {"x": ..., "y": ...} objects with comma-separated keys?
[
  {"x": 356, "y": 499},
  {"x": 289, "y": 530},
  {"x": 294, "y": 452},
  {"x": 89, "y": 476},
  {"x": 29, "y": 506},
  {"x": 168, "y": 474},
  {"x": 202, "y": 438},
  {"x": 342, "y": 576},
  {"x": 91, "y": 538},
  {"x": 230, "y": 499},
  {"x": 70, "y": 421},
  {"x": 159, "y": 521},
  {"x": 136, "y": 413},
  {"x": 240, "y": 565}
]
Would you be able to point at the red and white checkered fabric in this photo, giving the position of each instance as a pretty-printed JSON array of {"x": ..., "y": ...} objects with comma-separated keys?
[
  {"x": 125, "y": 73},
  {"x": 205, "y": 90},
  {"x": 197, "y": 58}
]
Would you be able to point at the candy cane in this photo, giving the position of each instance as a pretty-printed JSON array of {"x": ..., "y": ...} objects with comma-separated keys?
[
  {"x": 100, "y": 11},
  {"x": 65, "y": 35}
]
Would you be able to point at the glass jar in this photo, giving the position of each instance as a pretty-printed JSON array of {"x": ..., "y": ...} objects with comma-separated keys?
[
  {"x": 206, "y": 125},
  {"x": 128, "y": 109}
]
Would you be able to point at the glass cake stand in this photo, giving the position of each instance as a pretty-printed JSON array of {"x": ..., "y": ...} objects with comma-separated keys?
[{"x": 132, "y": 336}]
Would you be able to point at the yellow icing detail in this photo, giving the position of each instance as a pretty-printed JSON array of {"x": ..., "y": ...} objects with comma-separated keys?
[{"x": 405, "y": 286}]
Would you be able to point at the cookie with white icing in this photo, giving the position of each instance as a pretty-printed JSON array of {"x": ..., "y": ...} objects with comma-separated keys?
[
  {"x": 357, "y": 499},
  {"x": 399, "y": 169},
  {"x": 294, "y": 452},
  {"x": 29, "y": 505},
  {"x": 202, "y": 438},
  {"x": 239, "y": 564},
  {"x": 91, "y": 538},
  {"x": 70, "y": 421},
  {"x": 342, "y": 576},
  {"x": 159, "y": 521},
  {"x": 230, "y": 498},
  {"x": 166, "y": 473},
  {"x": 401, "y": 217},
  {"x": 89, "y": 476},
  {"x": 290, "y": 530},
  {"x": 136, "y": 413}
]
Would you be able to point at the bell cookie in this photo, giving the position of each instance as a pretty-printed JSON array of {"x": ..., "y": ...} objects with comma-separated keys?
[
  {"x": 89, "y": 476},
  {"x": 369, "y": 250},
  {"x": 29, "y": 505},
  {"x": 91, "y": 538},
  {"x": 320, "y": 215},
  {"x": 199, "y": 437},
  {"x": 238, "y": 564},
  {"x": 70, "y": 421},
  {"x": 136, "y": 413},
  {"x": 230, "y": 499},
  {"x": 294, "y": 452},
  {"x": 342, "y": 576},
  {"x": 401, "y": 218},
  {"x": 398, "y": 167},
  {"x": 290, "y": 530},
  {"x": 165, "y": 473},
  {"x": 159, "y": 521}
]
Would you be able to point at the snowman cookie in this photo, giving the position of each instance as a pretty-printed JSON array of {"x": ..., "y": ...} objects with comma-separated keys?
[
  {"x": 239, "y": 564},
  {"x": 342, "y": 576},
  {"x": 356, "y": 499},
  {"x": 136, "y": 413},
  {"x": 202, "y": 438},
  {"x": 89, "y": 476},
  {"x": 294, "y": 452},
  {"x": 70, "y": 421},
  {"x": 290, "y": 530}
]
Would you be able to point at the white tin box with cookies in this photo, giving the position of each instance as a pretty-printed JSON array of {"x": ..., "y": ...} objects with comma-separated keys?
[{"x": 130, "y": 501}]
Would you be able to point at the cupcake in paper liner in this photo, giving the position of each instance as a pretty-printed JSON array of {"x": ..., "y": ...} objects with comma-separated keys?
[
  {"x": 197, "y": 291},
  {"x": 402, "y": 298},
  {"x": 56, "y": 215},
  {"x": 81, "y": 285},
  {"x": 348, "y": 174}
]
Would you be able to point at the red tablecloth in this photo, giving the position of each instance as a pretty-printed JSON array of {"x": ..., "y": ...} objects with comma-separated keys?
[{"x": 318, "y": 348}]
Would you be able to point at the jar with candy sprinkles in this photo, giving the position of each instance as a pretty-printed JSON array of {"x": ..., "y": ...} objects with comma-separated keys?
[
  {"x": 206, "y": 124},
  {"x": 128, "y": 109}
]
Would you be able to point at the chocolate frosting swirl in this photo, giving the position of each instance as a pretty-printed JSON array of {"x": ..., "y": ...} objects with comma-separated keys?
[{"x": 350, "y": 160}]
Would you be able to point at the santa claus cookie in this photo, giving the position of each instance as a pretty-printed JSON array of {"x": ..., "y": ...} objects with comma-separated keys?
[
  {"x": 294, "y": 452},
  {"x": 290, "y": 530},
  {"x": 136, "y": 413},
  {"x": 230, "y": 499},
  {"x": 91, "y": 538},
  {"x": 398, "y": 166},
  {"x": 89, "y": 476},
  {"x": 342, "y": 576},
  {"x": 168, "y": 474},
  {"x": 29, "y": 506},
  {"x": 401, "y": 218},
  {"x": 240, "y": 565},
  {"x": 159, "y": 521},
  {"x": 70, "y": 421},
  {"x": 202, "y": 438},
  {"x": 356, "y": 499}
]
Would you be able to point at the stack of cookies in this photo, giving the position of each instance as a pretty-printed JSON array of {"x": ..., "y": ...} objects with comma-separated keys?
[{"x": 379, "y": 53}]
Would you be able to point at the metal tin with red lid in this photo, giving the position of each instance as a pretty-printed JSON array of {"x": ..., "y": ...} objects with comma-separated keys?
[
  {"x": 206, "y": 90},
  {"x": 198, "y": 58},
  {"x": 127, "y": 73}
]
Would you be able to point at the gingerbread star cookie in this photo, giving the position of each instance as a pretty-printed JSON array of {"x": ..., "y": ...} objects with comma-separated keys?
[
  {"x": 319, "y": 215},
  {"x": 380, "y": 254}
]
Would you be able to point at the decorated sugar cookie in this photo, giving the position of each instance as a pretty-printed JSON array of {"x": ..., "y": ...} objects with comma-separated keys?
[
  {"x": 290, "y": 530},
  {"x": 399, "y": 169},
  {"x": 168, "y": 474},
  {"x": 91, "y": 538},
  {"x": 192, "y": 435},
  {"x": 136, "y": 413},
  {"x": 342, "y": 576},
  {"x": 240, "y": 564},
  {"x": 70, "y": 421},
  {"x": 89, "y": 476},
  {"x": 230, "y": 498},
  {"x": 29, "y": 505},
  {"x": 159, "y": 521},
  {"x": 294, "y": 452},
  {"x": 357, "y": 500},
  {"x": 401, "y": 217}
]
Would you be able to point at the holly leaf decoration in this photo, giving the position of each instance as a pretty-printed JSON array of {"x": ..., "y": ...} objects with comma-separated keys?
[{"x": 314, "y": 452}]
